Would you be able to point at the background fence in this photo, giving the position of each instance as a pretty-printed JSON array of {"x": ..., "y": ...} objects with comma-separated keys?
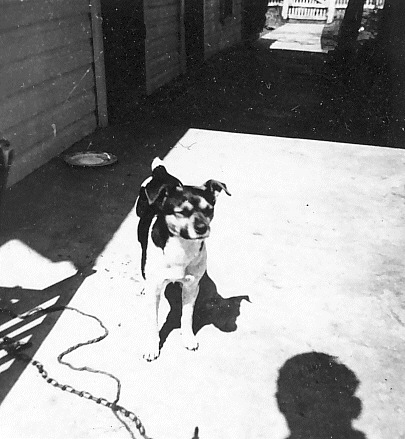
[{"x": 313, "y": 4}]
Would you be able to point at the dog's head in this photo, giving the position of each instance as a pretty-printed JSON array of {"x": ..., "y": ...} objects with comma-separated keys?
[{"x": 187, "y": 210}]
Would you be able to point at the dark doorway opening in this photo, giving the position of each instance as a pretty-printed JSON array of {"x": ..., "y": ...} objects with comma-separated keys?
[
  {"x": 194, "y": 33},
  {"x": 124, "y": 50}
]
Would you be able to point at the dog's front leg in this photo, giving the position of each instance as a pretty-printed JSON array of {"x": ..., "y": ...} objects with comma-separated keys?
[
  {"x": 151, "y": 298},
  {"x": 189, "y": 295}
]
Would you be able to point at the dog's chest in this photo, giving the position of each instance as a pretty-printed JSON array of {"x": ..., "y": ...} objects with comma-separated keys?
[
  {"x": 179, "y": 258},
  {"x": 183, "y": 251}
]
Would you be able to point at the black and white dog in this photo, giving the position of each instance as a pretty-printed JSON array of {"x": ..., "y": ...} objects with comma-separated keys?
[{"x": 174, "y": 223}]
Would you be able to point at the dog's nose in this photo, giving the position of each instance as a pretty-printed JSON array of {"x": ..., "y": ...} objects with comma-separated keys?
[{"x": 200, "y": 227}]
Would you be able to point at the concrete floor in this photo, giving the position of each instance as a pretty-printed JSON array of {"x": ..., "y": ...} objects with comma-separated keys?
[{"x": 313, "y": 234}]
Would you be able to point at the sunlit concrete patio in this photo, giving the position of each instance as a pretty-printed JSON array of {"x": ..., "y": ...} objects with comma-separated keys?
[
  {"x": 314, "y": 235},
  {"x": 306, "y": 37}
]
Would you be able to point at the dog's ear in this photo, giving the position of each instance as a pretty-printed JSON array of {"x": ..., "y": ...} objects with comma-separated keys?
[
  {"x": 155, "y": 189},
  {"x": 160, "y": 183},
  {"x": 215, "y": 187}
]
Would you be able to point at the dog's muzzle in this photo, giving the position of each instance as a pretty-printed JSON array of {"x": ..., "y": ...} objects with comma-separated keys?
[
  {"x": 198, "y": 229},
  {"x": 201, "y": 227}
]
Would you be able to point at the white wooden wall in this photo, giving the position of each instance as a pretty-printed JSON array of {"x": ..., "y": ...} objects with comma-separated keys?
[{"x": 47, "y": 83}]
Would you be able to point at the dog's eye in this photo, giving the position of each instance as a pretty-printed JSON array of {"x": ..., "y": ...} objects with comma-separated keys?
[{"x": 180, "y": 213}]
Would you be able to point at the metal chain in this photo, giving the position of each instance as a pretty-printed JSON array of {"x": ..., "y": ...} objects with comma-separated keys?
[{"x": 15, "y": 348}]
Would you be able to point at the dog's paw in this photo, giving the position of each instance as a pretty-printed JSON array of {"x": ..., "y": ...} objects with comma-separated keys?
[
  {"x": 151, "y": 350},
  {"x": 190, "y": 342}
]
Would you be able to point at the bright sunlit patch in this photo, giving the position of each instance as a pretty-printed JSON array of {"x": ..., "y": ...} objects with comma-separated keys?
[
  {"x": 27, "y": 326},
  {"x": 5, "y": 366},
  {"x": 37, "y": 321},
  {"x": 306, "y": 37},
  {"x": 3, "y": 353},
  {"x": 22, "y": 266}
]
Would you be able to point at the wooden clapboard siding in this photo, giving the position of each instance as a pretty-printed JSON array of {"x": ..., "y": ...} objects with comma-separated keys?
[
  {"x": 159, "y": 79},
  {"x": 165, "y": 53},
  {"x": 37, "y": 69},
  {"x": 45, "y": 150},
  {"x": 50, "y": 122},
  {"x": 47, "y": 81},
  {"x": 23, "y": 106},
  {"x": 17, "y": 13},
  {"x": 160, "y": 3},
  {"x": 161, "y": 32},
  {"x": 164, "y": 12},
  {"x": 165, "y": 65},
  {"x": 217, "y": 35},
  {"x": 28, "y": 41},
  {"x": 163, "y": 45},
  {"x": 156, "y": 79}
]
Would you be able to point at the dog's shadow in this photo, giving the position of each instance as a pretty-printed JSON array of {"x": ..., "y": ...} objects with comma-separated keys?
[{"x": 210, "y": 309}]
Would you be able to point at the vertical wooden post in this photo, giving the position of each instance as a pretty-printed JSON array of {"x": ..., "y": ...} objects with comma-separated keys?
[
  {"x": 98, "y": 55},
  {"x": 284, "y": 11},
  {"x": 6, "y": 158},
  {"x": 392, "y": 41},
  {"x": 331, "y": 11},
  {"x": 146, "y": 19},
  {"x": 182, "y": 36}
]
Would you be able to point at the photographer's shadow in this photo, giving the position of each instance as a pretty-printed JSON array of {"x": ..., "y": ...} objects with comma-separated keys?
[
  {"x": 210, "y": 309},
  {"x": 316, "y": 394}
]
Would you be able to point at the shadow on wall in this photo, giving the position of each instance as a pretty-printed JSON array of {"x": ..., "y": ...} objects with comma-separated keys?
[
  {"x": 316, "y": 394},
  {"x": 210, "y": 309}
]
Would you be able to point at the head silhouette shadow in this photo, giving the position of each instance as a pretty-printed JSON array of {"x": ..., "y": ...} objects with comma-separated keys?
[
  {"x": 316, "y": 394},
  {"x": 210, "y": 309}
]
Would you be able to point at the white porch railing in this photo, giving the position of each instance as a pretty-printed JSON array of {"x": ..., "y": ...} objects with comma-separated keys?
[
  {"x": 317, "y": 9},
  {"x": 368, "y": 4}
]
